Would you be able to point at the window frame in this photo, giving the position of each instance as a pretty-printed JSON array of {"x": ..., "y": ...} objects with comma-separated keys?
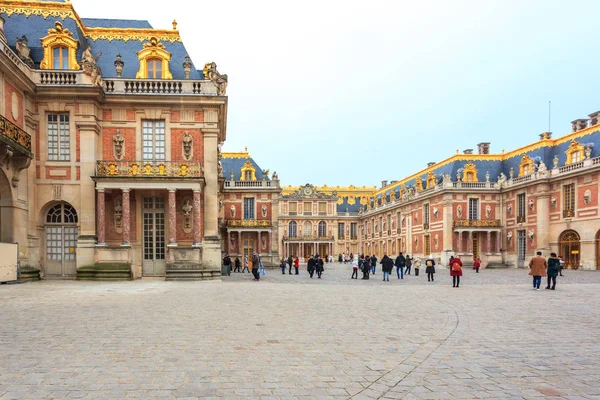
[
  {"x": 569, "y": 197},
  {"x": 62, "y": 140},
  {"x": 473, "y": 211},
  {"x": 156, "y": 70},
  {"x": 249, "y": 211},
  {"x": 63, "y": 57},
  {"x": 322, "y": 229},
  {"x": 293, "y": 233},
  {"x": 341, "y": 230}
]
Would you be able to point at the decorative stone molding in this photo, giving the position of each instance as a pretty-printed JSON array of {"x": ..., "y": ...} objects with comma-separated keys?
[
  {"x": 187, "y": 146},
  {"x": 187, "y": 209},
  {"x": 118, "y": 145},
  {"x": 154, "y": 50},
  {"x": 59, "y": 37}
]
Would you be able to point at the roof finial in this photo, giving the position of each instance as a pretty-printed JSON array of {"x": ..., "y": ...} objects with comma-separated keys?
[
  {"x": 174, "y": 24},
  {"x": 245, "y": 149}
]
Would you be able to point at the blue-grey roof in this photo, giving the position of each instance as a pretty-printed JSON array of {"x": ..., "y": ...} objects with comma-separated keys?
[
  {"x": 236, "y": 164},
  {"x": 352, "y": 208},
  {"x": 36, "y": 27},
  {"x": 115, "y": 23}
]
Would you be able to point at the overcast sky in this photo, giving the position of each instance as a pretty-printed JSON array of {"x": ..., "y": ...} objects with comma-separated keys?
[{"x": 355, "y": 92}]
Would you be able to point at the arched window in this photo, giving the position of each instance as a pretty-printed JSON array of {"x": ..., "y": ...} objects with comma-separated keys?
[
  {"x": 60, "y": 57},
  {"x": 569, "y": 248},
  {"x": 61, "y": 239},
  {"x": 293, "y": 229},
  {"x": 307, "y": 229},
  {"x": 322, "y": 229},
  {"x": 154, "y": 68}
]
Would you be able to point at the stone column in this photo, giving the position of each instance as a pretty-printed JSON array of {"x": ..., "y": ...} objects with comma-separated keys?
[
  {"x": 498, "y": 241},
  {"x": 459, "y": 242},
  {"x": 198, "y": 220},
  {"x": 228, "y": 244},
  {"x": 125, "y": 219},
  {"x": 101, "y": 218},
  {"x": 470, "y": 243},
  {"x": 489, "y": 241},
  {"x": 269, "y": 245},
  {"x": 448, "y": 223},
  {"x": 172, "y": 219},
  {"x": 543, "y": 219},
  {"x": 211, "y": 242}
]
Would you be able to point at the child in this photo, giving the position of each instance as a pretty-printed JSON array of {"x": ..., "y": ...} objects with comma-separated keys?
[{"x": 417, "y": 266}]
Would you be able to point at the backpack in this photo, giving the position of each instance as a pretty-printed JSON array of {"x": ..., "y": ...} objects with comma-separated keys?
[
  {"x": 429, "y": 263},
  {"x": 456, "y": 267}
]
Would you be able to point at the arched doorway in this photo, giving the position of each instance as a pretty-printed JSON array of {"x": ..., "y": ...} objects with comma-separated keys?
[
  {"x": 598, "y": 250},
  {"x": 569, "y": 248},
  {"x": 61, "y": 239},
  {"x": 6, "y": 210}
]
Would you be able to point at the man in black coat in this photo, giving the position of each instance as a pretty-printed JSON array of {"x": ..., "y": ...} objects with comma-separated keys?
[
  {"x": 290, "y": 261},
  {"x": 387, "y": 265},
  {"x": 320, "y": 267},
  {"x": 366, "y": 267},
  {"x": 400, "y": 263},
  {"x": 310, "y": 266},
  {"x": 373, "y": 264}
]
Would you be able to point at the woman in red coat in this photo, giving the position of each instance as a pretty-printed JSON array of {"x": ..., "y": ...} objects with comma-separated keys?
[{"x": 455, "y": 270}]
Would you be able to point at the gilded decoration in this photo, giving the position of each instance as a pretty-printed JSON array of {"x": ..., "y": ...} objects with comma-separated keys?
[
  {"x": 154, "y": 50},
  {"x": 248, "y": 167},
  {"x": 431, "y": 180},
  {"x": 248, "y": 223},
  {"x": 572, "y": 156},
  {"x": 127, "y": 34},
  {"x": 59, "y": 37},
  {"x": 148, "y": 169},
  {"x": 418, "y": 184},
  {"x": 470, "y": 173},
  {"x": 15, "y": 134},
  {"x": 482, "y": 223},
  {"x": 526, "y": 166}
]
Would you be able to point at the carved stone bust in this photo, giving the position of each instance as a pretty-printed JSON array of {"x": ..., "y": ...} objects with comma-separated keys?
[
  {"x": 187, "y": 148},
  {"x": 118, "y": 145}
]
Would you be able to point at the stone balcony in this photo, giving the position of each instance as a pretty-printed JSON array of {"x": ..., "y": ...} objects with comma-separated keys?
[
  {"x": 245, "y": 185},
  {"x": 148, "y": 169},
  {"x": 477, "y": 223},
  {"x": 249, "y": 223},
  {"x": 308, "y": 238},
  {"x": 15, "y": 137}
]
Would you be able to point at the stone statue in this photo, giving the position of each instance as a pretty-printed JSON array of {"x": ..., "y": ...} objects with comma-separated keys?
[
  {"x": 118, "y": 213},
  {"x": 509, "y": 236},
  {"x": 275, "y": 176},
  {"x": 232, "y": 241},
  {"x": 435, "y": 212},
  {"x": 553, "y": 202},
  {"x": 187, "y": 141},
  {"x": 588, "y": 152},
  {"x": 23, "y": 51},
  {"x": 220, "y": 150},
  {"x": 555, "y": 161},
  {"x": 264, "y": 243},
  {"x": 187, "y": 214},
  {"x": 446, "y": 179},
  {"x": 220, "y": 81},
  {"x": 90, "y": 67},
  {"x": 263, "y": 210},
  {"x": 542, "y": 169},
  {"x": 458, "y": 176},
  {"x": 531, "y": 204},
  {"x": 459, "y": 211},
  {"x": 488, "y": 211},
  {"x": 232, "y": 211},
  {"x": 530, "y": 234},
  {"x": 511, "y": 173},
  {"x": 501, "y": 180},
  {"x": 220, "y": 169},
  {"x": 231, "y": 175},
  {"x": 509, "y": 209},
  {"x": 118, "y": 143},
  {"x": 487, "y": 176}
]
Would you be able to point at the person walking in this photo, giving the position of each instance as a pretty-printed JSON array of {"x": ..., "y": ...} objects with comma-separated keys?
[
  {"x": 283, "y": 265},
  {"x": 290, "y": 262},
  {"x": 562, "y": 264},
  {"x": 255, "y": 266},
  {"x": 400, "y": 263},
  {"x": 387, "y": 265},
  {"x": 366, "y": 267},
  {"x": 355, "y": 268},
  {"x": 227, "y": 264},
  {"x": 430, "y": 268},
  {"x": 373, "y": 264},
  {"x": 238, "y": 264},
  {"x": 319, "y": 267},
  {"x": 553, "y": 270},
  {"x": 297, "y": 265},
  {"x": 417, "y": 266},
  {"x": 476, "y": 263},
  {"x": 310, "y": 266},
  {"x": 455, "y": 271},
  {"x": 538, "y": 266},
  {"x": 408, "y": 263},
  {"x": 246, "y": 261}
]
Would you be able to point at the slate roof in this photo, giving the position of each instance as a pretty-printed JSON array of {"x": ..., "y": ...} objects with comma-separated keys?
[
  {"x": 352, "y": 208},
  {"x": 36, "y": 27},
  {"x": 236, "y": 164}
]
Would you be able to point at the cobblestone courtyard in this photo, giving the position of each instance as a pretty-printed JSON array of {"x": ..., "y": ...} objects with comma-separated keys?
[{"x": 293, "y": 337}]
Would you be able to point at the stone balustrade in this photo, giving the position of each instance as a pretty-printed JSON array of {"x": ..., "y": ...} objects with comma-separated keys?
[
  {"x": 251, "y": 184},
  {"x": 308, "y": 238},
  {"x": 148, "y": 169}
]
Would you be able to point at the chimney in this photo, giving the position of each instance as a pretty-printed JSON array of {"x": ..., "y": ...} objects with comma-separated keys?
[
  {"x": 545, "y": 135},
  {"x": 468, "y": 151},
  {"x": 383, "y": 184},
  {"x": 430, "y": 164},
  {"x": 594, "y": 118},
  {"x": 579, "y": 124},
  {"x": 483, "y": 148}
]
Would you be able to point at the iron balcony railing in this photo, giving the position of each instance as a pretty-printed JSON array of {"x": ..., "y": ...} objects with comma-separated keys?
[
  {"x": 148, "y": 169},
  {"x": 308, "y": 238},
  {"x": 249, "y": 223},
  {"x": 16, "y": 136},
  {"x": 478, "y": 223}
]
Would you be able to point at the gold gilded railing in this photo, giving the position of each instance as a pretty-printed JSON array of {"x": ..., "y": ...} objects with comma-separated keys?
[
  {"x": 252, "y": 223},
  {"x": 480, "y": 223},
  {"x": 308, "y": 238},
  {"x": 149, "y": 169},
  {"x": 17, "y": 135}
]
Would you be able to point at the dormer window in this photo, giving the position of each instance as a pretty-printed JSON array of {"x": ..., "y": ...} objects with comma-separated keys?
[
  {"x": 575, "y": 153},
  {"x": 248, "y": 175},
  {"x": 576, "y": 156},
  {"x": 154, "y": 68},
  {"x": 60, "y": 57}
]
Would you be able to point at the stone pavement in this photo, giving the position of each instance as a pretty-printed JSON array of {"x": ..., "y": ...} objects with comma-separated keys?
[{"x": 289, "y": 337}]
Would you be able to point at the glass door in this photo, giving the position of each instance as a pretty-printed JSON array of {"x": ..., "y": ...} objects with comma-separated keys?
[
  {"x": 521, "y": 248},
  {"x": 154, "y": 262}
]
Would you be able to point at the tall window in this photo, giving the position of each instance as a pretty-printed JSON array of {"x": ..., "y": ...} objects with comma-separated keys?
[
  {"x": 307, "y": 208},
  {"x": 426, "y": 214},
  {"x": 307, "y": 228},
  {"x": 293, "y": 206},
  {"x": 527, "y": 169},
  {"x": 247, "y": 175},
  {"x": 322, "y": 207},
  {"x": 293, "y": 229},
  {"x": 353, "y": 229},
  {"x": 569, "y": 203},
  {"x": 373, "y": 226},
  {"x": 341, "y": 230},
  {"x": 248, "y": 207},
  {"x": 154, "y": 140},
  {"x": 154, "y": 68},
  {"x": 380, "y": 224},
  {"x": 473, "y": 209},
  {"x": 575, "y": 157},
  {"x": 59, "y": 146},
  {"x": 521, "y": 208},
  {"x": 60, "y": 58},
  {"x": 389, "y": 222},
  {"x": 322, "y": 229}
]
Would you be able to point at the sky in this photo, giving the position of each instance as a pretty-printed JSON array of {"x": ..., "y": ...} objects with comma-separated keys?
[{"x": 356, "y": 92}]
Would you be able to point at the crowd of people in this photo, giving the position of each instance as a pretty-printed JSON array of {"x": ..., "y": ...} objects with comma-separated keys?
[{"x": 539, "y": 266}]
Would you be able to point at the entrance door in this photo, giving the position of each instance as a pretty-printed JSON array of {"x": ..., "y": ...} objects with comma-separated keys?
[
  {"x": 323, "y": 250},
  {"x": 569, "y": 245},
  {"x": 475, "y": 245},
  {"x": 154, "y": 236},
  {"x": 521, "y": 248},
  {"x": 248, "y": 250},
  {"x": 61, "y": 240}
]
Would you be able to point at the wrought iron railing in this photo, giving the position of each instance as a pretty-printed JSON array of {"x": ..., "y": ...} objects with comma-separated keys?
[
  {"x": 149, "y": 169},
  {"x": 17, "y": 136},
  {"x": 479, "y": 223},
  {"x": 249, "y": 223},
  {"x": 308, "y": 238}
]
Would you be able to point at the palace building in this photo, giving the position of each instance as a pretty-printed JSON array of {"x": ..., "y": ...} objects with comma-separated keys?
[{"x": 109, "y": 146}]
